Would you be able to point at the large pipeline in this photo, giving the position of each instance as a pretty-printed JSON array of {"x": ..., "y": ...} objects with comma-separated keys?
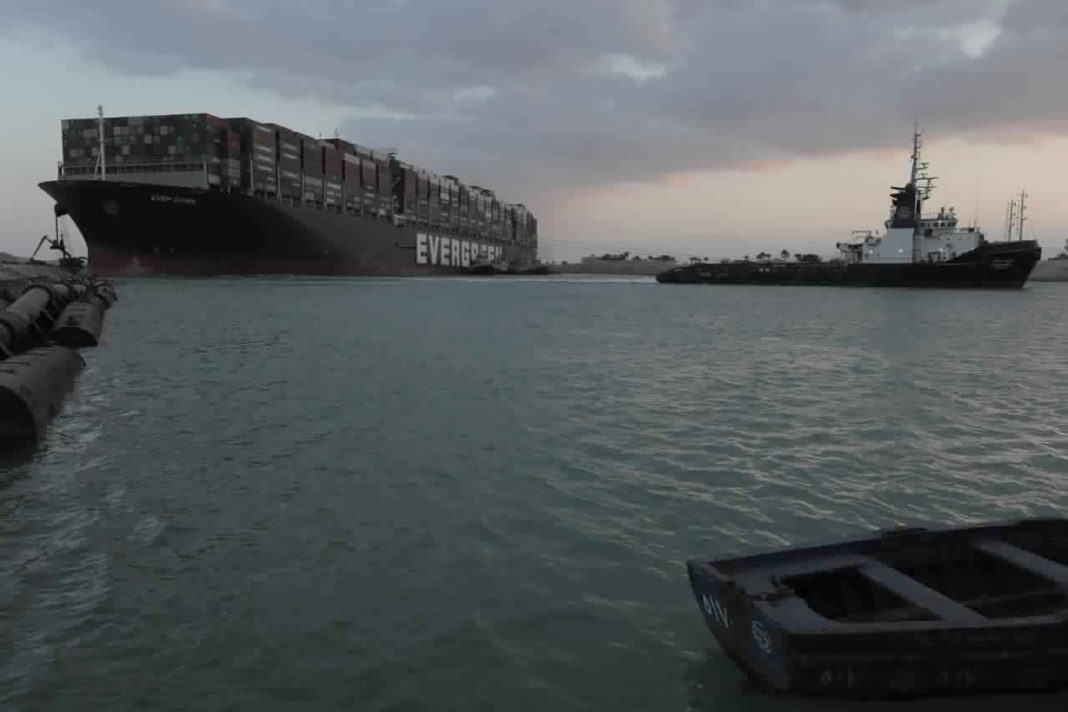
[
  {"x": 39, "y": 332},
  {"x": 80, "y": 323},
  {"x": 32, "y": 387},
  {"x": 29, "y": 318}
]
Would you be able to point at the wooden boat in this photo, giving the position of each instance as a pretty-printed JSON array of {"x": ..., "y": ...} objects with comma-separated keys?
[{"x": 905, "y": 612}]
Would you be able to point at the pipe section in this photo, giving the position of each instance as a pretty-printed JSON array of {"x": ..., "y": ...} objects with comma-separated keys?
[{"x": 32, "y": 388}]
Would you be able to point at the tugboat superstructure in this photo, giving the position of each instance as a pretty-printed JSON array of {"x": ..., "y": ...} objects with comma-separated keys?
[{"x": 910, "y": 236}]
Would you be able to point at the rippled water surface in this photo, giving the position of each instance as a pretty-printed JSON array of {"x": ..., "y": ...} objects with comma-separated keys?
[{"x": 479, "y": 495}]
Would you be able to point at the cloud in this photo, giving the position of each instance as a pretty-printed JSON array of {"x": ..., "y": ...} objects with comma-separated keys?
[
  {"x": 625, "y": 65},
  {"x": 562, "y": 92}
]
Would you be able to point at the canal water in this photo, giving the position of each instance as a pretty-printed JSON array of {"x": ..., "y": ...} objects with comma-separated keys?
[{"x": 464, "y": 494}]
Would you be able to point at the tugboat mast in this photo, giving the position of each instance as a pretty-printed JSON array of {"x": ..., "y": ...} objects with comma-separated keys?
[
  {"x": 1014, "y": 219},
  {"x": 918, "y": 171},
  {"x": 101, "y": 159},
  {"x": 917, "y": 144},
  {"x": 1019, "y": 233}
]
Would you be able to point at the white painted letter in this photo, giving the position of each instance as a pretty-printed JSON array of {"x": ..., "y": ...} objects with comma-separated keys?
[
  {"x": 435, "y": 249},
  {"x": 420, "y": 249},
  {"x": 465, "y": 254},
  {"x": 445, "y": 256},
  {"x": 454, "y": 253}
]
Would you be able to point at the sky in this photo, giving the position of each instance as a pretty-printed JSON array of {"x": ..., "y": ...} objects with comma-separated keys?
[{"x": 715, "y": 128}]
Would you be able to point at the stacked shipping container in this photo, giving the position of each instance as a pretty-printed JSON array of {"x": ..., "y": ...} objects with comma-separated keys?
[
  {"x": 332, "y": 175},
  {"x": 231, "y": 153},
  {"x": 422, "y": 198},
  {"x": 259, "y": 169},
  {"x": 483, "y": 216},
  {"x": 351, "y": 180},
  {"x": 385, "y": 185},
  {"x": 405, "y": 190},
  {"x": 434, "y": 201},
  {"x": 204, "y": 151},
  {"x": 289, "y": 170},
  {"x": 444, "y": 209},
  {"x": 174, "y": 149},
  {"x": 311, "y": 162}
]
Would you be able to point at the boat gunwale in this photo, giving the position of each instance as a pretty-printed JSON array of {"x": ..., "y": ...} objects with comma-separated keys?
[{"x": 757, "y": 580}]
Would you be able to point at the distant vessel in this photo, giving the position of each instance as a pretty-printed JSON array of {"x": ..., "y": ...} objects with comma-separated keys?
[
  {"x": 199, "y": 194},
  {"x": 617, "y": 264},
  {"x": 1054, "y": 269},
  {"x": 915, "y": 251}
]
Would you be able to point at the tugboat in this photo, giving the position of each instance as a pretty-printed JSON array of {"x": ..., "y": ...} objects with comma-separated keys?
[
  {"x": 903, "y": 613},
  {"x": 487, "y": 268},
  {"x": 914, "y": 251}
]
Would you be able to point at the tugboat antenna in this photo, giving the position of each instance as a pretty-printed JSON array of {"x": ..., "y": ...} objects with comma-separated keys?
[
  {"x": 1019, "y": 233},
  {"x": 917, "y": 144},
  {"x": 918, "y": 172},
  {"x": 101, "y": 160}
]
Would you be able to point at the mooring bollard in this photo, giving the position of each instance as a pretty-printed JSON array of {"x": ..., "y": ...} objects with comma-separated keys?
[{"x": 32, "y": 387}]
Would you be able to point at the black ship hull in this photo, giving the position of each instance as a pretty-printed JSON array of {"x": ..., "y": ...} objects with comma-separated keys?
[
  {"x": 1005, "y": 265},
  {"x": 133, "y": 228}
]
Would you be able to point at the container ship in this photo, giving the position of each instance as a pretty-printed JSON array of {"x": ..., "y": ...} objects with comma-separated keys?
[
  {"x": 195, "y": 194},
  {"x": 914, "y": 251}
]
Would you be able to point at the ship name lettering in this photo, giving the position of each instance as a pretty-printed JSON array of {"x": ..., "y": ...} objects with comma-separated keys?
[
  {"x": 448, "y": 252},
  {"x": 715, "y": 609},
  {"x": 172, "y": 199}
]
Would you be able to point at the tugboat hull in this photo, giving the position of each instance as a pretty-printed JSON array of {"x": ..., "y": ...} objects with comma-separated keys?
[{"x": 1005, "y": 265}]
